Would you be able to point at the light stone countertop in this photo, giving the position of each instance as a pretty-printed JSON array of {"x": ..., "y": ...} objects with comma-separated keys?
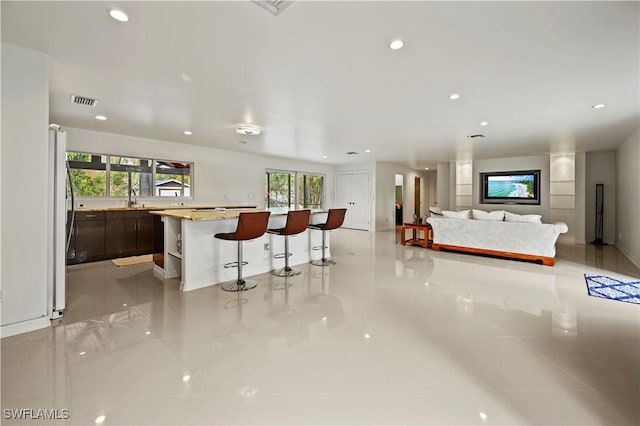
[
  {"x": 212, "y": 214},
  {"x": 149, "y": 208}
]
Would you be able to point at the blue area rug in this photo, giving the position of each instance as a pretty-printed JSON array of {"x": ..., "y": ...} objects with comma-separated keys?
[{"x": 613, "y": 288}]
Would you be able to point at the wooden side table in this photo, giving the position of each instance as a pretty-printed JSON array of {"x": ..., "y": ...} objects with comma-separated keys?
[{"x": 427, "y": 234}]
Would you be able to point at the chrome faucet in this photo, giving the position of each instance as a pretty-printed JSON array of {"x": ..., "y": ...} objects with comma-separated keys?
[{"x": 131, "y": 202}]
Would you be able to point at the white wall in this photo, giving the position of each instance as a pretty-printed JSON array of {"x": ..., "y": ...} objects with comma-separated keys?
[
  {"x": 539, "y": 162},
  {"x": 25, "y": 234},
  {"x": 628, "y": 197},
  {"x": 429, "y": 190},
  {"x": 580, "y": 197},
  {"x": 443, "y": 184},
  {"x": 601, "y": 168},
  {"x": 385, "y": 193},
  {"x": 220, "y": 176}
]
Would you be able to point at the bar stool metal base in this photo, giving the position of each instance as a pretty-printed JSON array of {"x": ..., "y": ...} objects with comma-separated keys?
[
  {"x": 239, "y": 285},
  {"x": 285, "y": 272},
  {"x": 323, "y": 262}
]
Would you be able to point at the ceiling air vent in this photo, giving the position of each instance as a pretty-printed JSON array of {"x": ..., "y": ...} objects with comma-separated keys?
[
  {"x": 479, "y": 135},
  {"x": 274, "y": 6},
  {"x": 352, "y": 153},
  {"x": 83, "y": 100}
]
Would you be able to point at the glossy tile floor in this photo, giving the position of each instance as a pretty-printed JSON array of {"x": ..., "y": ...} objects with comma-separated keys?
[{"x": 390, "y": 335}]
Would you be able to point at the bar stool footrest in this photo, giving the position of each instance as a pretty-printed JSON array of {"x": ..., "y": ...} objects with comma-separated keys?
[
  {"x": 234, "y": 264},
  {"x": 282, "y": 255}
]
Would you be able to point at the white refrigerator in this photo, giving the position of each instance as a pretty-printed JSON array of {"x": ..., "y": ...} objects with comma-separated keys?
[{"x": 57, "y": 252}]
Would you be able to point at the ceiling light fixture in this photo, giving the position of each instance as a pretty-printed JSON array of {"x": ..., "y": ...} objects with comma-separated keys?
[
  {"x": 187, "y": 132},
  {"x": 598, "y": 106},
  {"x": 118, "y": 15},
  {"x": 426, "y": 168},
  {"x": 454, "y": 96},
  {"x": 367, "y": 150},
  {"x": 484, "y": 123},
  {"x": 100, "y": 117},
  {"x": 248, "y": 129},
  {"x": 324, "y": 156},
  {"x": 100, "y": 419},
  {"x": 396, "y": 44}
]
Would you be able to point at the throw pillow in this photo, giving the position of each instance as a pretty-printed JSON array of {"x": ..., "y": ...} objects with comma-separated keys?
[
  {"x": 528, "y": 218},
  {"x": 435, "y": 210},
  {"x": 497, "y": 215},
  {"x": 464, "y": 214}
]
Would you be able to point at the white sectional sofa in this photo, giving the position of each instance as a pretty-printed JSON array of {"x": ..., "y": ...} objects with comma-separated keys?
[{"x": 519, "y": 240}]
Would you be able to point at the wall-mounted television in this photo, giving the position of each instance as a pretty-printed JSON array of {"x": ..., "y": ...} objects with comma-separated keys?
[{"x": 510, "y": 187}]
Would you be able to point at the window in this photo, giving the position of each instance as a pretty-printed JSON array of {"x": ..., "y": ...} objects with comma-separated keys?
[
  {"x": 88, "y": 173},
  {"x": 100, "y": 175},
  {"x": 293, "y": 190},
  {"x": 133, "y": 174},
  {"x": 173, "y": 179}
]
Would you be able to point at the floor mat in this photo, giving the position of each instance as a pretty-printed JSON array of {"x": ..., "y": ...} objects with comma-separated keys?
[
  {"x": 133, "y": 260},
  {"x": 613, "y": 288}
]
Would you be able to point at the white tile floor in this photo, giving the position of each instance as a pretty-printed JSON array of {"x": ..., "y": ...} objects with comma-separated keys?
[{"x": 390, "y": 335}]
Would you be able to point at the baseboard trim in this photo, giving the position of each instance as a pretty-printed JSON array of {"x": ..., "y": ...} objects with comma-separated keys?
[
  {"x": 629, "y": 256},
  {"x": 565, "y": 239},
  {"x": 24, "y": 326}
]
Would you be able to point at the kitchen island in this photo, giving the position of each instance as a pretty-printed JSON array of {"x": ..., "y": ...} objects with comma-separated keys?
[{"x": 192, "y": 253}]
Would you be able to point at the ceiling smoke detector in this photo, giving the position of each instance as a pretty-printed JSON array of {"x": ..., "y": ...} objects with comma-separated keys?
[
  {"x": 248, "y": 129},
  {"x": 274, "y": 6},
  {"x": 83, "y": 100},
  {"x": 479, "y": 135}
]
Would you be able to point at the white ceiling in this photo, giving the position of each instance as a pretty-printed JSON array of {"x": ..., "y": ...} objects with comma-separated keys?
[{"x": 321, "y": 79}]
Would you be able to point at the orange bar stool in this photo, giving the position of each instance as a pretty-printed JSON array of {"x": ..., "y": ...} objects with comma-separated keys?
[
  {"x": 251, "y": 225},
  {"x": 335, "y": 219},
  {"x": 297, "y": 222}
]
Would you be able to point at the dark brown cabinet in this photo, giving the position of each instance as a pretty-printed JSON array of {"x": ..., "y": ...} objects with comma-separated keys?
[
  {"x": 88, "y": 239},
  {"x": 128, "y": 233}
]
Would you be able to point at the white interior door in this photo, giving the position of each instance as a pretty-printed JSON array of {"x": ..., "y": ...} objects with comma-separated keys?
[{"x": 352, "y": 193}]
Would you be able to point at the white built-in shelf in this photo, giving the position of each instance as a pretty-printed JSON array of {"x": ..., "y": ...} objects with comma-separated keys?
[{"x": 175, "y": 254}]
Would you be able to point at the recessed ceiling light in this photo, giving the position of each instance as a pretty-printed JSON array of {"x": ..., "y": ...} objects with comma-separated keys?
[
  {"x": 484, "y": 123},
  {"x": 324, "y": 156},
  {"x": 147, "y": 333},
  {"x": 426, "y": 168},
  {"x": 186, "y": 378},
  {"x": 187, "y": 132},
  {"x": 248, "y": 129},
  {"x": 598, "y": 106},
  {"x": 82, "y": 353},
  {"x": 367, "y": 150},
  {"x": 100, "y": 117},
  {"x": 454, "y": 96},
  {"x": 396, "y": 44},
  {"x": 100, "y": 419},
  {"x": 118, "y": 15}
]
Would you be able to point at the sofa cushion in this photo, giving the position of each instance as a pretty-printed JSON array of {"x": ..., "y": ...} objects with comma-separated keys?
[
  {"x": 464, "y": 214},
  {"x": 527, "y": 218},
  {"x": 482, "y": 215}
]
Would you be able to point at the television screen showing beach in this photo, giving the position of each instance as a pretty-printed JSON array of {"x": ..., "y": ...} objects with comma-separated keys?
[{"x": 516, "y": 186}]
